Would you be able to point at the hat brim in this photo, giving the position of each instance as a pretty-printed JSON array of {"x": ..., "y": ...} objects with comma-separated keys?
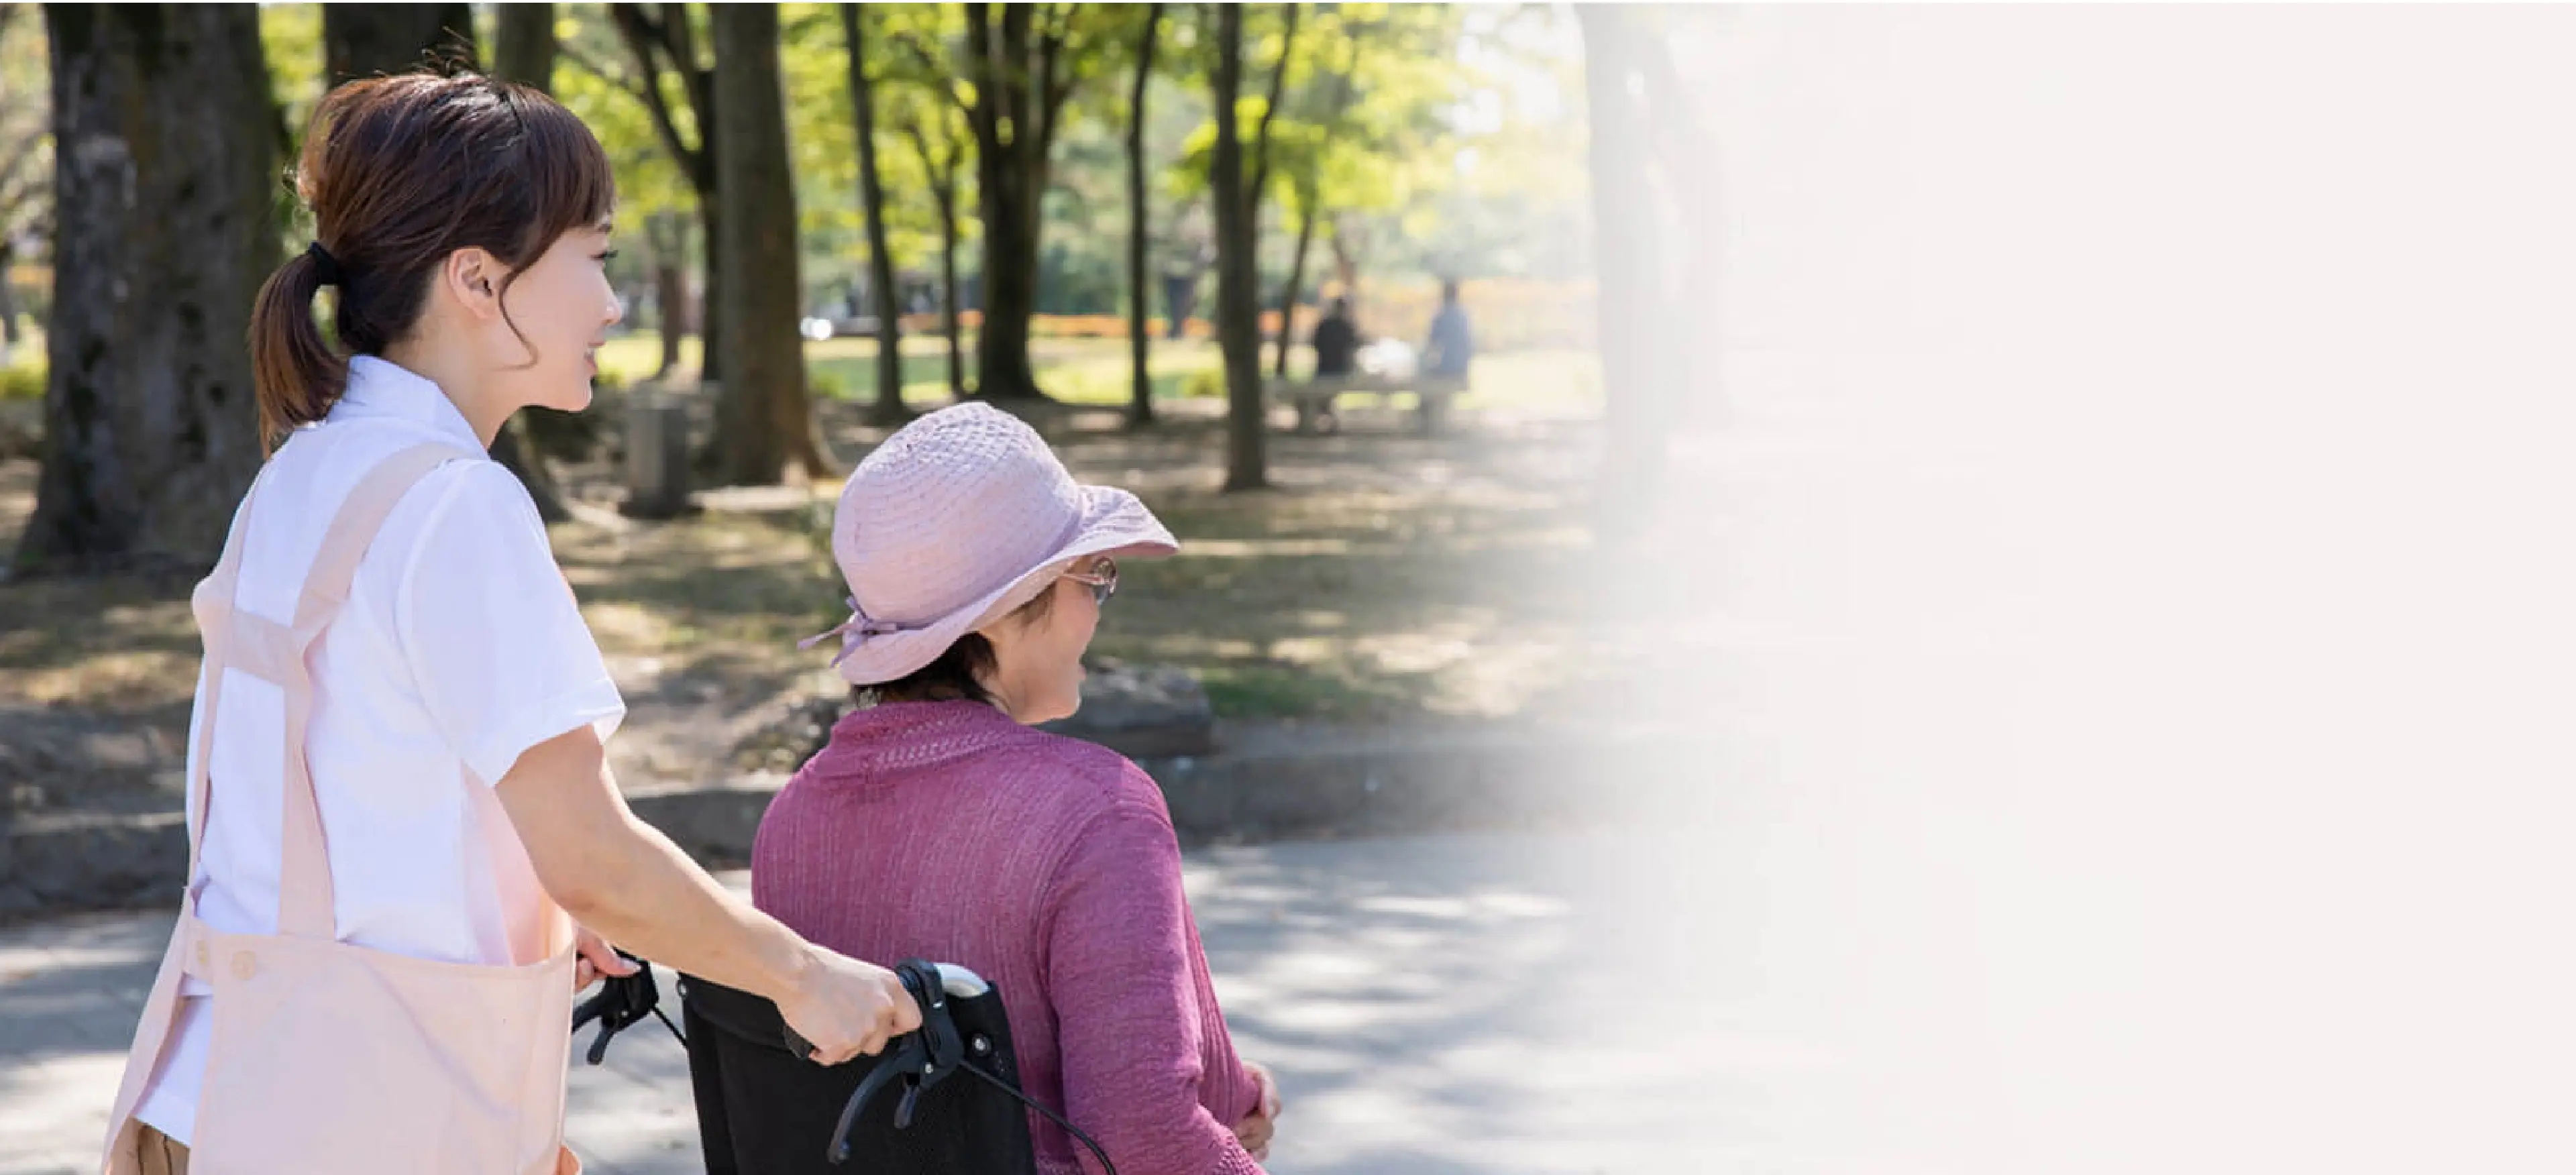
[{"x": 1114, "y": 522}]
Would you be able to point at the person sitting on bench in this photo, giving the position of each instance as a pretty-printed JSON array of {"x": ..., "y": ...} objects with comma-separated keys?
[
  {"x": 1337, "y": 342},
  {"x": 939, "y": 823}
]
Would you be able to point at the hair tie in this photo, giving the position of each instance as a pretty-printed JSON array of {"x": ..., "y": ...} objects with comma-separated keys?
[{"x": 325, "y": 265}]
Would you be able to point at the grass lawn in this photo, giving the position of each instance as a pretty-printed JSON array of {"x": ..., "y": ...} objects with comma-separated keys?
[
  {"x": 1096, "y": 371},
  {"x": 1388, "y": 577}
]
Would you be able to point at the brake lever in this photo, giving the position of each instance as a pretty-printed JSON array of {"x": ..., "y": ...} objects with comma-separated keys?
[
  {"x": 621, "y": 1003},
  {"x": 923, "y": 1058}
]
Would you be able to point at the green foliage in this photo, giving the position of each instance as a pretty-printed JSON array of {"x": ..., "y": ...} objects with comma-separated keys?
[
  {"x": 1433, "y": 138},
  {"x": 23, "y": 381}
]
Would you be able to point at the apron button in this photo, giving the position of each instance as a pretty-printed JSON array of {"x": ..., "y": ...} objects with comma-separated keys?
[{"x": 244, "y": 966}]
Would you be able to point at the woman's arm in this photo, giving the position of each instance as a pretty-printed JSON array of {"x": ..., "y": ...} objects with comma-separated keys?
[
  {"x": 1132, "y": 1022},
  {"x": 622, "y": 878}
]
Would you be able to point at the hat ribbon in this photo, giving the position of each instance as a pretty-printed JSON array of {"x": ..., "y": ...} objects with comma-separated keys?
[{"x": 853, "y": 632}]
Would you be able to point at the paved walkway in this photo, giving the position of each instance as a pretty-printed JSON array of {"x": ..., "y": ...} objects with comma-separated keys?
[{"x": 1435, "y": 1005}]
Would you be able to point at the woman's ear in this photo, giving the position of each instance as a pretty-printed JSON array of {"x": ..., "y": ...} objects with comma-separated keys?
[{"x": 473, "y": 278}]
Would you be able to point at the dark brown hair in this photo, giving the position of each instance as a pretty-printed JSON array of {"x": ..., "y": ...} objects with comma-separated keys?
[
  {"x": 401, "y": 172},
  {"x": 959, "y": 671}
]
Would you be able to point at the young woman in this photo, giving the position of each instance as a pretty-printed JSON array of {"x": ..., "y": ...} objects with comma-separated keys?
[
  {"x": 938, "y": 824},
  {"x": 397, "y": 792}
]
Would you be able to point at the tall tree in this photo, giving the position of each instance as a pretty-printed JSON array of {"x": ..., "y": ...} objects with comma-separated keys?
[
  {"x": 888, "y": 409},
  {"x": 668, "y": 236},
  {"x": 663, "y": 42},
  {"x": 764, "y": 421},
  {"x": 1237, "y": 197},
  {"x": 363, "y": 40},
  {"x": 1305, "y": 181},
  {"x": 1021, "y": 66},
  {"x": 162, "y": 235},
  {"x": 1238, "y": 328},
  {"x": 368, "y": 40},
  {"x": 942, "y": 158},
  {"x": 932, "y": 112},
  {"x": 1140, "y": 409},
  {"x": 1625, "y": 244}
]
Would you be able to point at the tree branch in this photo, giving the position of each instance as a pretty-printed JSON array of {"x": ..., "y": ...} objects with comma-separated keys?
[
  {"x": 938, "y": 77},
  {"x": 642, "y": 36},
  {"x": 616, "y": 80},
  {"x": 682, "y": 40},
  {"x": 1056, "y": 84},
  {"x": 1278, "y": 85}
]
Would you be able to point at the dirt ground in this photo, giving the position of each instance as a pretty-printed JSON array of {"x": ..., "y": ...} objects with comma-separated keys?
[{"x": 1388, "y": 578}]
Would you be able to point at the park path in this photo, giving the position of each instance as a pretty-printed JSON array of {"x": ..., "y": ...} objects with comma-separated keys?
[{"x": 1488, "y": 1003}]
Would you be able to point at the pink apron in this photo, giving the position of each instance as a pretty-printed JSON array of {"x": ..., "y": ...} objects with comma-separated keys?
[{"x": 328, "y": 1057}]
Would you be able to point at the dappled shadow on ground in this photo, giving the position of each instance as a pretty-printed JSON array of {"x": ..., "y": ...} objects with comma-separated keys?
[
  {"x": 1504, "y": 1003},
  {"x": 1386, "y": 578}
]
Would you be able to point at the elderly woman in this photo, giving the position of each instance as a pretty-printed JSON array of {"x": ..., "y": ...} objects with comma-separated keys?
[{"x": 938, "y": 824}]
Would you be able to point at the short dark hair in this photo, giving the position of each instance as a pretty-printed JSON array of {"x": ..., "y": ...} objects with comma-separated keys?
[{"x": 958, "y": 672}]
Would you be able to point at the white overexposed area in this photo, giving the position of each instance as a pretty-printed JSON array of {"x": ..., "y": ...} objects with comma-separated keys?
[{"x": 2128, "y": 564}]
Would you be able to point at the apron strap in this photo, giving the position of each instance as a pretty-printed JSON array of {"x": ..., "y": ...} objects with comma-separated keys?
[
  {"x": 304, "y": 892},
  {"x": 213, "y": 604}
]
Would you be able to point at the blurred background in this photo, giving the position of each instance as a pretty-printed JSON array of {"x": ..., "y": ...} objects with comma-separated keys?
[{"x": 1370, "y": 686}]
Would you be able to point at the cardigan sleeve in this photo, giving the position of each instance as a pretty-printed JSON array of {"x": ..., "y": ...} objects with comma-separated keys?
[{"x": 1145, "y": 1050}]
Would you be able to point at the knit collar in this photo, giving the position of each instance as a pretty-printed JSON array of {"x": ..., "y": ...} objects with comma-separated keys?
[{"x": 902, "y": 736}]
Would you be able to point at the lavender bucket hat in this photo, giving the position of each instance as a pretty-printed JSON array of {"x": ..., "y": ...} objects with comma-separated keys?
[{"x": 956, "y": 520}]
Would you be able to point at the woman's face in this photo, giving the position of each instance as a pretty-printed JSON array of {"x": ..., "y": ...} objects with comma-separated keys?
[
  {"x": 564, "y": 306},
  {"x": 1037, "y": 662}
]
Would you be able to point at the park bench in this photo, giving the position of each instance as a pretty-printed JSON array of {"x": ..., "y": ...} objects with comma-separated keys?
[{"x": 1313, "y": 398}]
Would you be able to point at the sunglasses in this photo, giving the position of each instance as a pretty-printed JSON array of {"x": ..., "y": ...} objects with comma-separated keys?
[{"x": 1102, "y": 579}]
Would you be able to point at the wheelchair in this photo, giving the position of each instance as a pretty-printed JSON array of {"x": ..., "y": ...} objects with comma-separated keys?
[{"x": 765, "y": 1109}]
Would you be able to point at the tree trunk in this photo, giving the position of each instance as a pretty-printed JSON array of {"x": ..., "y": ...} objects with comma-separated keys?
[
  {"x": 523, "y": 44},
  {"x": 162, "y": 236},
  {"x": 8, "y": 299},
  {"x": 712, "y": 300},
  {"x": 365, "y": 40},
  {"x": 889, "y": 409},
  {"x": 1238, "y": 300},
  {"x": 1012, "y": 116},
  {"x": 1296, "y": 287},
  {"x": 764, "y": 423},
  {"x": 948, "y": 293},
  {"x": 942, "y": 172},
  {"x": 671, "y": 303},
  {"x": 1623, "y": 220},
  {"x": 649, "y": 40},
  {"x": 1346, "y": 264},
  {"x": 1002, "y": 368},
  {"x": 1140, "y": 409}
]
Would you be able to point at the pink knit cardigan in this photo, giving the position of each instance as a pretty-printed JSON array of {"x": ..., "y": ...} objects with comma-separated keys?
[{"x": 947, "y": 831}]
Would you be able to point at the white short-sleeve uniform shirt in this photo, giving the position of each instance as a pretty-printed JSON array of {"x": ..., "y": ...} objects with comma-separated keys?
[{"x": 459, "y": 648}]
